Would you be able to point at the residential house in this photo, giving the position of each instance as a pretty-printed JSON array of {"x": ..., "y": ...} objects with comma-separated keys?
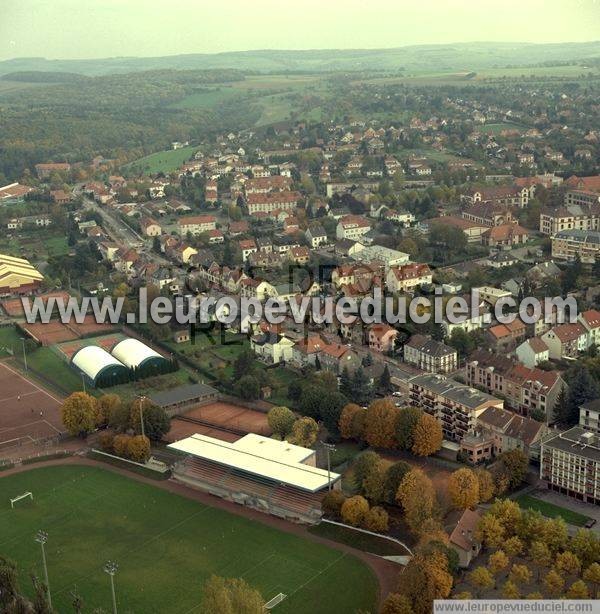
[
  {"x": 589, "y": 416},
  {"x": 505, "y": 236},
  {"x": 272, "y": 347},
  {"x": 381, "y": 337},
  {"x": 408, "y": 277},
  {"x": 430, "y": 355},
  {"x": 352, "y": 227},
  {"x": 150, "y": 227},
  {"x": 316, "y": 235},
  {"x": 247, "y": 246},
  {"x": 463, "y": 536},
  {"x": 505, "y": 337},
  {"x": 591, "y": 322},
  {"x": 566, "y": 340},
  {"x": 532, "y": 352}
]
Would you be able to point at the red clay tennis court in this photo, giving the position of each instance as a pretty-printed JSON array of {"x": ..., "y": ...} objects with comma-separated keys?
[
  {"x": 55, "y": 331},
  {"x": 14, "y": 307},
  {"x": 221, "y": 420},
  {"x": 27, "y": 411}
]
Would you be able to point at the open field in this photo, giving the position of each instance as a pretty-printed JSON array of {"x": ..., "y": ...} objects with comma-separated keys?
[
  {"x": 27, "y": 411},
  {"x": 165, "y": 546},
  {"x": 10, "y": 341},
  {"x": 35, "y": 245},
  {"x": 162, "y": 161},
  {"x": 552, "y": 511}
]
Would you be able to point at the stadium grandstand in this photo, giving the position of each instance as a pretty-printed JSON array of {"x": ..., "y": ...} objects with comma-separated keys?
[
  {"x": 18, "y": 276},
  {"x": 100, "y": 369},
  {"x": 272, "y": 476}
]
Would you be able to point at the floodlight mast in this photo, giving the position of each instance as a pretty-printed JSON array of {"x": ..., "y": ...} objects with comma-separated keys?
[
  {"x": 110, "y": 567},
  {"x": 41, "y": 537},
  {"x": 330, "y": 448}
]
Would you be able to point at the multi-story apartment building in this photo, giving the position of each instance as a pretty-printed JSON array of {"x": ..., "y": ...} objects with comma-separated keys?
[
  {"x": 581, "y": 211},
  {"x": 352, "y": 227},
  {"x": 568, "y": 244},
  {"x": 589, "y": 416},
  {"x": 271, "y": 201},
  {"x": 196, "y": 224},
  {"x": 407, "y": 277},
  {"x": 570, "y": 464},
  {"x": 525, "y": 389},
  {"x": 430, "y": 355},
  {"x": 455, "y": 405}
]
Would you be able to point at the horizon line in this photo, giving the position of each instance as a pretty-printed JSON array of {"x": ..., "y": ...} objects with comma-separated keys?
[{"x": 305, "y": 50}]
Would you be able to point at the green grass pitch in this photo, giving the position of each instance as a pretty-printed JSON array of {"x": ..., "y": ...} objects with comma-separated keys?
[{"x": 165, "y": 546}]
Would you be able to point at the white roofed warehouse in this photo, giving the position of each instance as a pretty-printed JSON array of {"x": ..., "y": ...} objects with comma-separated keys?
[
  {"x": 141, "y": 359},
  {"x": 99, "y": 367}
]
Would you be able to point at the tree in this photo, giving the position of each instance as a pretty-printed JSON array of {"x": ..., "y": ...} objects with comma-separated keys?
[
  {"x": 481, "y": 578},
  {"x": 497, "y": 562},
  {"x": 40, "y": 598},
  {"x": 520, "y": 574},
  {"x": 363, "y": 465},
  {"x": 376, "y": 520},
  {"x": 349, "y": 425},
  {"x": 554, "y": 583},
  {"x": 578, "y": 590},
  {"x": 540, "y": 554},
  {"x": 513, "y": 465},
  {"x": 463, "y": 488},
  {"x": 79, "y": 414},
  {"x": 554, "y": 533},
  {"x": 427, "y": 435},
  {"x": 380, "y": 424},
  {"x": 385, "y": 381},
  {"x": 592, "y": 575},
  {"x": 243, "y": 365},
  {"x": 582, "y": 388},
  {"x": 304, "y": 432},
  {"x": 230, "y": 596},
  {"x": 425, "y": 579},
  {"x": 406, "y": 421},
  {"x": 108, "y": 405},
  {"x": 562, "y": 410},
  {"x": 121, "y": 444},
  {"x": 510, "y": 590},
  {"x": 393, "y": 478},
  {"x": 567, "y": 563},
  {"x": 373, "y": 484},
  {"x": 9, "y": 584},
  {"x": 486, "y": 484},
  {"x": 354, "y": 510},
  {"x": 513, "y": 546},
  {"x": 490, "y": 531},
  {"x": 248, "y": 387},
  {"x": 586, "y": 545},
  {"x": 155, "y": 418},
  {"x": 396, "y": 604},
  {"x": 138, "y": 448},
  {"x": 331, "y": 504},
  {"x": 417, "y": 497},
  {"x": 281, "y": 420}
]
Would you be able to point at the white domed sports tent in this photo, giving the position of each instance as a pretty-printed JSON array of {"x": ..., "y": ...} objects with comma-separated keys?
[
  {"x": 137, "y": 355},
  {"x": 99, "y": 366}
]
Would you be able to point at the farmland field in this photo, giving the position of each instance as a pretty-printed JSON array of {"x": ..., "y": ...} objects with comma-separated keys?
[{"x": 166, "y": 546}]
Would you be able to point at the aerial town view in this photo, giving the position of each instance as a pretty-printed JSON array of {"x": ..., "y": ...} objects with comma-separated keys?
[{"x": 299, "y": 307}]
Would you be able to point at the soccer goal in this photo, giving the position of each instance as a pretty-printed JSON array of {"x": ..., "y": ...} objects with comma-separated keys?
[
  {"x": 275, "y": 601},
  {"x": 20, "y": 497}
]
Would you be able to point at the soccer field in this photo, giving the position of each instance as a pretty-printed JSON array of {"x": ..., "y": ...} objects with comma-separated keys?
[{"x": 165, "y": 546}]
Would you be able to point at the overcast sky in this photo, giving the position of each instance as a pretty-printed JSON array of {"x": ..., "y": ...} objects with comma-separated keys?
[{"x": 107, "y": 28}]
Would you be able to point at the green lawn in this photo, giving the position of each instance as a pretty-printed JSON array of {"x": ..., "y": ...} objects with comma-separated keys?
[
  {"x": 165, "y": 546},
  {"x": 45, "y": 362},
  {"x": 162, "y": 161},
  {"x": 552, "y": 511},
  {"x": 10, "y": 341}
]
